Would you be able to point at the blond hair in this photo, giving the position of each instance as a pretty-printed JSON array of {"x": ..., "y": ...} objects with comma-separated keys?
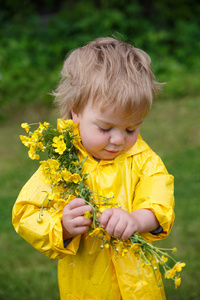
[{"x": 109, "y": 73}]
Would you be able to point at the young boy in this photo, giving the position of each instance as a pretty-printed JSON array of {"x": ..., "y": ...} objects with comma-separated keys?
[{"x": 107, "y": 88}]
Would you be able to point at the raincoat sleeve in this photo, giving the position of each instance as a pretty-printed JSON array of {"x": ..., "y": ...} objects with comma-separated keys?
[
  {"x": 47, "y": 235},
  {"x": 155, "y": 191}
]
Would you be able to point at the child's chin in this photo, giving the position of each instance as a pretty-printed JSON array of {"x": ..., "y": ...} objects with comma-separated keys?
[{"x": 109, "y": 156}]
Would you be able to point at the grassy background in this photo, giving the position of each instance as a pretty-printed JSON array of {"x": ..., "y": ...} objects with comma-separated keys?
[{"x": 172, "y": 130}]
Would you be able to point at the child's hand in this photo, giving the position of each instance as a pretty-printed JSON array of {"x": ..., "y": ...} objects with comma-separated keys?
[
  {"x": 73, "y": 221},
  {"x": 118, "y": 223},
  {"x": 122, "y": 224}
]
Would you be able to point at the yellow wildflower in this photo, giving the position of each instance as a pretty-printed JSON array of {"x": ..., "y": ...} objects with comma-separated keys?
[
  {"x": 45, "y": 170},
  {"x": 53, "y": 164},
  {"x": 101, "y": 209},
  {"x": 63, "y": 124},
  {"x": 170, "y": 273},
  {"x": 66, "y": 175},
  {"x": 106, "y": 246},
  {"x": 59, "y": 144},
  {"x": 124, "y": 251},
  {"x": 43, "y": 126},
  {"x": 177, "y": 281},
  {"x": 25, "y": 126},
  {"x": 76, "y": 140},
  {"x": 25, "y": 140},
  {"x": 70, "y": 197},
  {"x": 53, "y": 196},
  {"x": 153, "y": 261},
  {"x": 57, "y": 190},
  {"x": 76, "y": 137},
  {"x": 143, "y": 264},
  {"x": 87, "y": 215},
  {"x": 49, "y": 169},
  {"x": 32, "y": 154},
  {"x": 121, "y": 248},
  {"x": 97, "y": 232},
  {"x": 41, "y": 146},
  {"x": 56, "y": 177},
  {"x": 164, "y": 259},
  {"x": 76, "y": 178},
  {"x": 178, "y": 266},
  {"x": 110, "y": 195},
  {"x": 35, "y": 136},
  {"x": 69, "y": 123}
]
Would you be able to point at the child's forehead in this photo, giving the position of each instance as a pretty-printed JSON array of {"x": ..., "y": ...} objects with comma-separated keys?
[{"x": 111, "y": 115}]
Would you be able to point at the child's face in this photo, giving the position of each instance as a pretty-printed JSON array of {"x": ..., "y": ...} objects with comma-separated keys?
[{"x": 105, "y": 135}]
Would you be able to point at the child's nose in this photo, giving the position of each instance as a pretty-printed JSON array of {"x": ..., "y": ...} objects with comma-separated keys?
[{"x": 117, "y": 138}]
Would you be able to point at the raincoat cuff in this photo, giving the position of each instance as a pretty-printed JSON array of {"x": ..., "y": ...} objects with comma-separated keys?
[{"x": 165, "y": 217}]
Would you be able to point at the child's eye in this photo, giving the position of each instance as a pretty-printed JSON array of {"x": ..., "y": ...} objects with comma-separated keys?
[
  {"x": 104, "y": 130},
  {"x": 130, "y": 131}
]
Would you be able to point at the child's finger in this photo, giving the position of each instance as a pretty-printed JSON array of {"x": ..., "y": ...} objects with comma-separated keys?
[
  {"x": 76, "y": 202},
  {"x": 81, "y": 230},
  {"x": 119, "y": 228},
  {"x": 105, "y": 217},
  {"x": 127, "y": 232},
  {"x": 81, "y": 221},
  {"x": 79, "y": 211},
  {"x": 75, "y": 208}
]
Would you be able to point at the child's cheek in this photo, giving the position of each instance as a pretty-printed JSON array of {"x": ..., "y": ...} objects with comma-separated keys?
[{"x": 101, "y": 140}]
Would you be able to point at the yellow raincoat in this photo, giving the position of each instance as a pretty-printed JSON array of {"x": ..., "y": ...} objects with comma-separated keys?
[{"x": 138, "y": 180}]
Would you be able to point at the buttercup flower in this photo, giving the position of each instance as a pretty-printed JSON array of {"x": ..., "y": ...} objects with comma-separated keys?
[
  {"x": 25, "y": 140},
  {"x": 178, "y": 266},
  {"x": 122, "y": 251},
  {"x": 63, "y": 124},
  {"x": 97, "y": 232},
  {"x": 59, "y": 144},
  {"x": 164, "y": 259},
  {"x": 66, "y": 175},
  {"x": 110, "y": 195},
  {"x": 32, "y": 153},
  {"x": 70, "y": 197},
  {"x": 25, "y": 126},
  {"x": 170, "y": 273},
  {"x": 177, "y": 281},
  {"x": 43, "y": 126},
  {"x": 87, "y": 215},
  {"x": 76, "y": 178},
  {"x": 106, "y": 245}
]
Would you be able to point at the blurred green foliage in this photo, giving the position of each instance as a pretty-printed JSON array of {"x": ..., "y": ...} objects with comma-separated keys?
[{"x": 35, "y": 37}]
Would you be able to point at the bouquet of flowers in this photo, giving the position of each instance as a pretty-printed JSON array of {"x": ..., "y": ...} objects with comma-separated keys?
[{"x": 64, "y": 173}]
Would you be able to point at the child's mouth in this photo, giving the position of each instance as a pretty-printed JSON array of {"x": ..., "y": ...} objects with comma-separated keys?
[{"x": 112, "y": 151}]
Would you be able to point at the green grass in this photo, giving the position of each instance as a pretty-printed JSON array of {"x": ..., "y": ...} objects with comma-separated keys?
[{"x": 172, "y": 130}]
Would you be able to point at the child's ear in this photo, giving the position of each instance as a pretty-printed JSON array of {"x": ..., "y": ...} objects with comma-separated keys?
[{"x": 75, "y": 117}]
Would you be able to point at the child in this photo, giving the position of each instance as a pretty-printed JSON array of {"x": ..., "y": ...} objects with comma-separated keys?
[{"x": 107, "y": 88}]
